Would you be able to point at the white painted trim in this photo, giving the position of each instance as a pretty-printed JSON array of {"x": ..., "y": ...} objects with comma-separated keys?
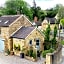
[
  {"x": 16, "y": 31},
  {"x": 16, "y": 20},
  {"x": 30, "y": 32}
]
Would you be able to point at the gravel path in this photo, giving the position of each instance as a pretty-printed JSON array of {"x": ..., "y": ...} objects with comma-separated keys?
[{"x": 16, "y": 60}]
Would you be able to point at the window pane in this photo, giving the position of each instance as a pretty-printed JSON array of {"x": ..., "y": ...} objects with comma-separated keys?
[
  {"x": 37, "y": 42},
  {"x": 30, "y": 42}
]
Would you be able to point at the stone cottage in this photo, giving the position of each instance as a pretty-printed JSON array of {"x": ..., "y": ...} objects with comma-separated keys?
[
  {"x": 51, "y": 21},
  {"x": 28, "y": 36},
  {"x": 8, "y": 25}
]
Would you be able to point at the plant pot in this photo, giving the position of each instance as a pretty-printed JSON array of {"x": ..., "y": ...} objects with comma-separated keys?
[
  {"x": 21, "y": 55},
  {"x": 11, "y": 53}
]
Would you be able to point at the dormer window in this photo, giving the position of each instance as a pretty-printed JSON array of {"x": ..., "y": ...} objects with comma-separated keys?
[{"x": 6, "y": 22}]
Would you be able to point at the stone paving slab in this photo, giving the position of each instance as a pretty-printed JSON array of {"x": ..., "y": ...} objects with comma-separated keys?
[{"x": 16, "y": 60}]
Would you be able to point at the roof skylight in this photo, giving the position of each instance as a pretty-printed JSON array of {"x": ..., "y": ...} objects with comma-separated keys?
[
  {"x": 6, "y": 22},
  {"x": 0, "y": 20}
]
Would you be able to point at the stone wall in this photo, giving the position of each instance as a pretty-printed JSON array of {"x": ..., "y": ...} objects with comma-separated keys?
[
  {"x": 25, "y": 42},
  {"x": 55, "y": 57},
  {"x": 22, "y": 21},
  {"x": 33, "y": 36},
  {"x": 7, "y": 31},
  {"x": 5, "y": 35}
]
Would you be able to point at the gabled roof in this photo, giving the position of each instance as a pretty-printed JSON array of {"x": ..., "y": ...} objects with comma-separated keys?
[
  {"x": 23, "y": 32},
  {"x": 7, "y": 20},
  {"x": 51, "y": 20}
]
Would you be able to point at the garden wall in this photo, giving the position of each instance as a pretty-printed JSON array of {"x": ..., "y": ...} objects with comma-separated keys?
[{"x": 55, "y": 57}]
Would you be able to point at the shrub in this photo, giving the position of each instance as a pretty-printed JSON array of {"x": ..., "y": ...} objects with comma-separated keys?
[
  {"x": 7, "y": 51},
  {"x": 31, "y": 53},
  {"x": 51, "y": 50},
  {"x": 62, "y": 42},
  {"x": 17, "y": 47},
  {"x": 47, "y": 51},
  {"x": 34, "y": 55}
]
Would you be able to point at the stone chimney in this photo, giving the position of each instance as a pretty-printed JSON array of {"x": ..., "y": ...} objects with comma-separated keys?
[{"x": 35, "y": 19}]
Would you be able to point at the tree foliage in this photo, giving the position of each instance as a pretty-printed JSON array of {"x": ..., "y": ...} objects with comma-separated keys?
[
  {"x": 62, "y": 22},
  {"x": 60, "y": 12},
  {"x": 47, "y": 33},
  {"x": 12, "y": 7},
  {"x": 55, "y": 31},
  {"x": 51, "y": 12},
  {"x": 50, "y": 43}
]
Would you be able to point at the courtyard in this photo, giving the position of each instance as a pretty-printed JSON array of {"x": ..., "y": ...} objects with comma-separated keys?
[{"x": 17, "y": 60}]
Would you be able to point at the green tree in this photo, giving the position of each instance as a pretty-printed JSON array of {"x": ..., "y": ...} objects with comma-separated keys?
[
  {"x": 47, "y": 33},
  {"x": 62, "y": 22},
  {"x": 20, "y": 6},
  {"x": 42, "y": 14},
  {"x": 60, "y": 12},
  {"x": 51, "y": 12},
  {"x": 47, "y": 44},
  {"x": 53, "y": 40},
  {"x": 35, "y": 11},
  {"x": 55, "y": 31}
]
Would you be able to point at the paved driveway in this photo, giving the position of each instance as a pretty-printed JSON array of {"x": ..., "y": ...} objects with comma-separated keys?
[
  {"x": 63, "y": 55},
  {"x": 16, "y": 60}
]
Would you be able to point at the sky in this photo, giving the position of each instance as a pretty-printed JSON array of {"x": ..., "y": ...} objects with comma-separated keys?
[{"x": 44, "y": 4}]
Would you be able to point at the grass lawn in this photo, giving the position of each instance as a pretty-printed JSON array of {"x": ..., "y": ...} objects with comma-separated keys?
[{"x": 62, "y": 42}]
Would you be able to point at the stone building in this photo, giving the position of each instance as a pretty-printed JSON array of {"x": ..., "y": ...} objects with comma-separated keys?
[
  {"x": 28, "y": 36},
  {"x": 51, "y": 21},
  {"x": 8, "y": 25}
]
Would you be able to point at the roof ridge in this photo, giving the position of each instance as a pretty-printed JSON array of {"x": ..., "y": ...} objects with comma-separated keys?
[
  {"x": 16, "y": 31},
  {"x": 9, "y": 15}
]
